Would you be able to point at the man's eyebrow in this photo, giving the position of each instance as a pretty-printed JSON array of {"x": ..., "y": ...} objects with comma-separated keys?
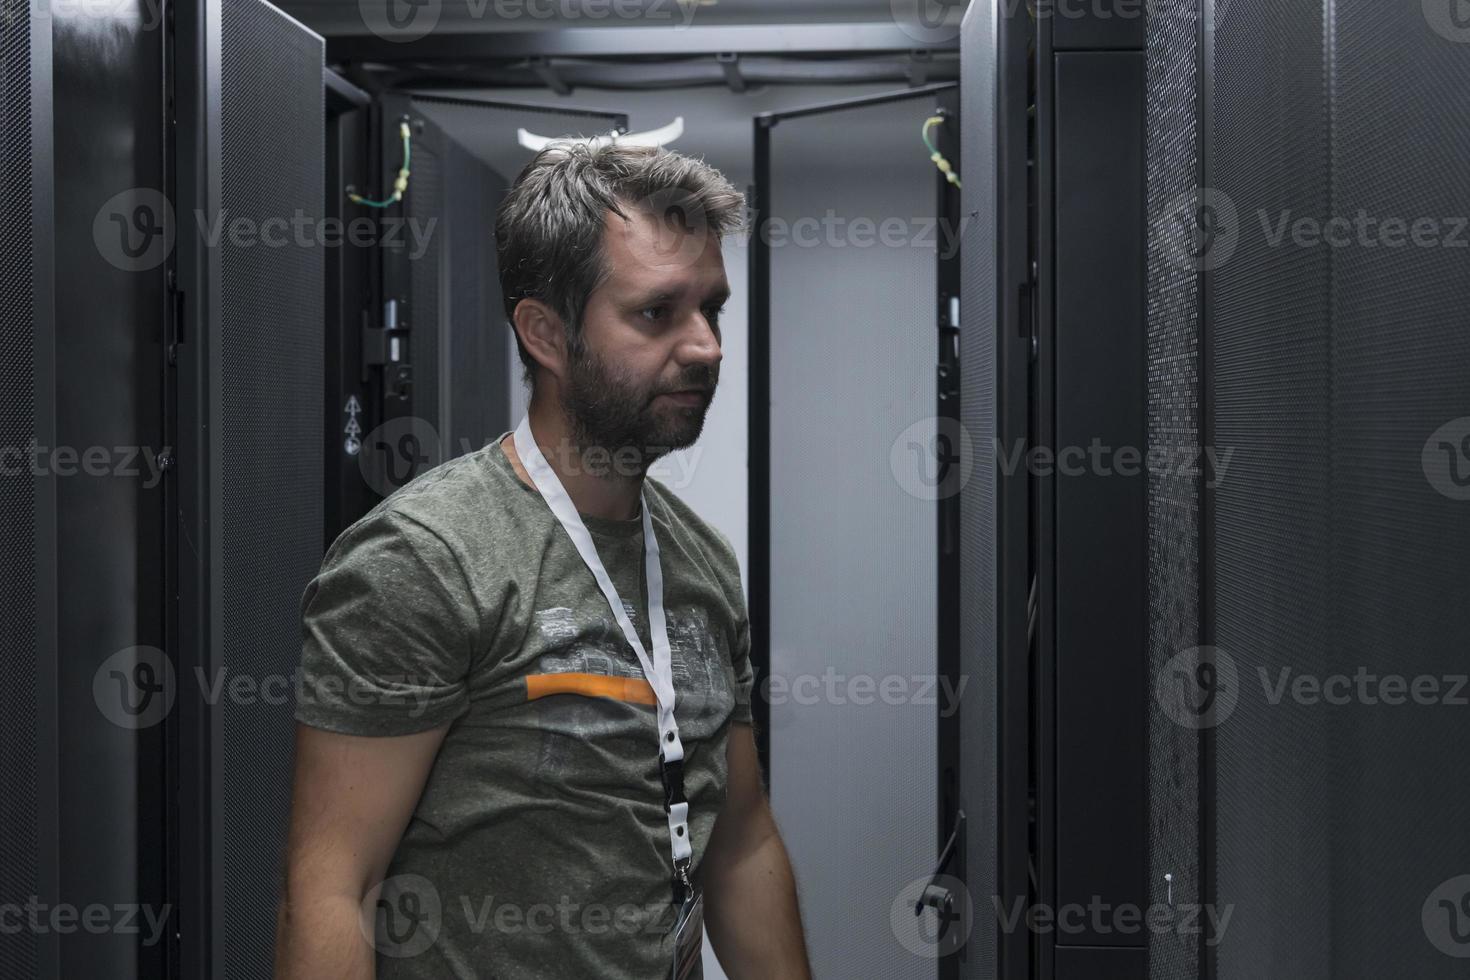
[{"x": 718, "y": 295}]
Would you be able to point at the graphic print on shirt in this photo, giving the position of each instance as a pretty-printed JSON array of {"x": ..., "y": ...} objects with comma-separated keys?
[{"x": 589, "y": 687}]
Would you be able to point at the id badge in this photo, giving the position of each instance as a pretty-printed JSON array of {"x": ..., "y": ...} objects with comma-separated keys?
[{"x": 688, "y": 937}]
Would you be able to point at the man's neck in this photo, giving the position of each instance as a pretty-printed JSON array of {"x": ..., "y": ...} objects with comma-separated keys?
[{"x": 606, "y": 490}]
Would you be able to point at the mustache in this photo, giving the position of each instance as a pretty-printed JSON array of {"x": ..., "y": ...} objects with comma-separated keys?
[{"x": 704, "y": 386}]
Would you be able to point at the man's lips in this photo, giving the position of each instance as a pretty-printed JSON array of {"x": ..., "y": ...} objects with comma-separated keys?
[{"x": 691, "y": 397}]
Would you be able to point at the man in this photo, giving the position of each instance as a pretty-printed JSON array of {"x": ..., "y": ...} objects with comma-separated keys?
[{"x": 489, "y": 782}]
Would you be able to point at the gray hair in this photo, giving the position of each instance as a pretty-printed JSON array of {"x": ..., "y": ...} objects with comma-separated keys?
[{"x": 549, "y": 228}]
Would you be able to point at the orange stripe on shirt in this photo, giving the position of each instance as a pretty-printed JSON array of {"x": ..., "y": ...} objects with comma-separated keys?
[{"x": 632, "y": 689}]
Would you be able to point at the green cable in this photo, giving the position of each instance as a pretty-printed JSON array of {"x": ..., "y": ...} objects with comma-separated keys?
[
  {"x": 400, "y": 185},
  {"x": 934, "y": 154}
]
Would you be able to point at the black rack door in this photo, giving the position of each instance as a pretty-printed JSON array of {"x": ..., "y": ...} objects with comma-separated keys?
[
  {"x": 249, "y": 461},
  {"x": 995, "y": 741}
]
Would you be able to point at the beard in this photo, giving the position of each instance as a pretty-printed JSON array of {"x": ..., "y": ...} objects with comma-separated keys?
[{"x": 609, "y": 411}]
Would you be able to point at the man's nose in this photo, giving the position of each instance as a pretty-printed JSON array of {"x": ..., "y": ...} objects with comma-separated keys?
[{"x": 703, "y": 346}]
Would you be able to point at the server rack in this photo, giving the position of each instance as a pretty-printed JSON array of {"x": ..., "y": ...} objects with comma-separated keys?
[
  {"x": 352, "y": 273},
  {"x": 1091, "y": 670},
  {"x": 1056, "y": 557},
  {"x": 997, "y": 566}
]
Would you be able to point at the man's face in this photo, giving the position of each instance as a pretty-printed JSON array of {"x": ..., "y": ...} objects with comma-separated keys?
[{"x": 650, "y": 330}]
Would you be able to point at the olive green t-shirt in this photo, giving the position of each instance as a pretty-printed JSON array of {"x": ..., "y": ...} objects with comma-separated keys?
[{"x": 540, "y": 846}]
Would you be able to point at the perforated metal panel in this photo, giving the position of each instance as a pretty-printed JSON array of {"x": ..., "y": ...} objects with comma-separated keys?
[
  {"x": 476, "y": 354},
  {"x": 1399, "y": 564},
  {"x": 979, "y": 560},
  {"x": 426, "y": 205},
  {"x": 268, "y": 450},
  {"x": 852, "y": 550},
  {"x": 1172, "y": 163},
  {"x": 1269, "y": 152},
  {"x": 20, "y": 629},
  {"x": 1342, "y": 547}
]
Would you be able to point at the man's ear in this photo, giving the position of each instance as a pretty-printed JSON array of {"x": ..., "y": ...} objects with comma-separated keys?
[{"x": 540, "y": 331}]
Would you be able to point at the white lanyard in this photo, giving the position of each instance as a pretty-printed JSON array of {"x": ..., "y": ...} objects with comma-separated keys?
[{"x": 659, "y": 673}]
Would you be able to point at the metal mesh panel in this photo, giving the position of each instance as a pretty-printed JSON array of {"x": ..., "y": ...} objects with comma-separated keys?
[
  {"x": 1173, "y": 492},
  {"x": 1272, "y": 390},
  {"x": 1339, "y": 347},
  {"x": 853, "y": 589},
  {"x": 18, "y": 599},
  {"x": 269, "y": 447},
  {"x": 1400, "y": 529},
  {"x": 426, "y": 204},
  {"x": 978, "y": 558},
  {"x": 474, "y": 319}
]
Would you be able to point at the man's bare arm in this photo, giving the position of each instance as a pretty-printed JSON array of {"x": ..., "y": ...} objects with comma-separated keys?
[
  {"x": 352, "y": 797},
  {"x": 751, "y": 911}
]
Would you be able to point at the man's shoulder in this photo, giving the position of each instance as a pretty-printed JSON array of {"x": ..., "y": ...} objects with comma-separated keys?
[
  {"x": 453, "y": 501},
  {"x": 704, "y": 535}
]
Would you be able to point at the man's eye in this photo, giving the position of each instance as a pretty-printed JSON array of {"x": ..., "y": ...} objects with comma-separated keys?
[{"x": 712, "y": 313}]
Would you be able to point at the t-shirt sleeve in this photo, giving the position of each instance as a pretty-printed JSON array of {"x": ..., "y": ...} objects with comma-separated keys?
[
  {"x": 740, "y": 652},
  {"x": 388, "y": 627},
  {"x": 744, "y": 678}
]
